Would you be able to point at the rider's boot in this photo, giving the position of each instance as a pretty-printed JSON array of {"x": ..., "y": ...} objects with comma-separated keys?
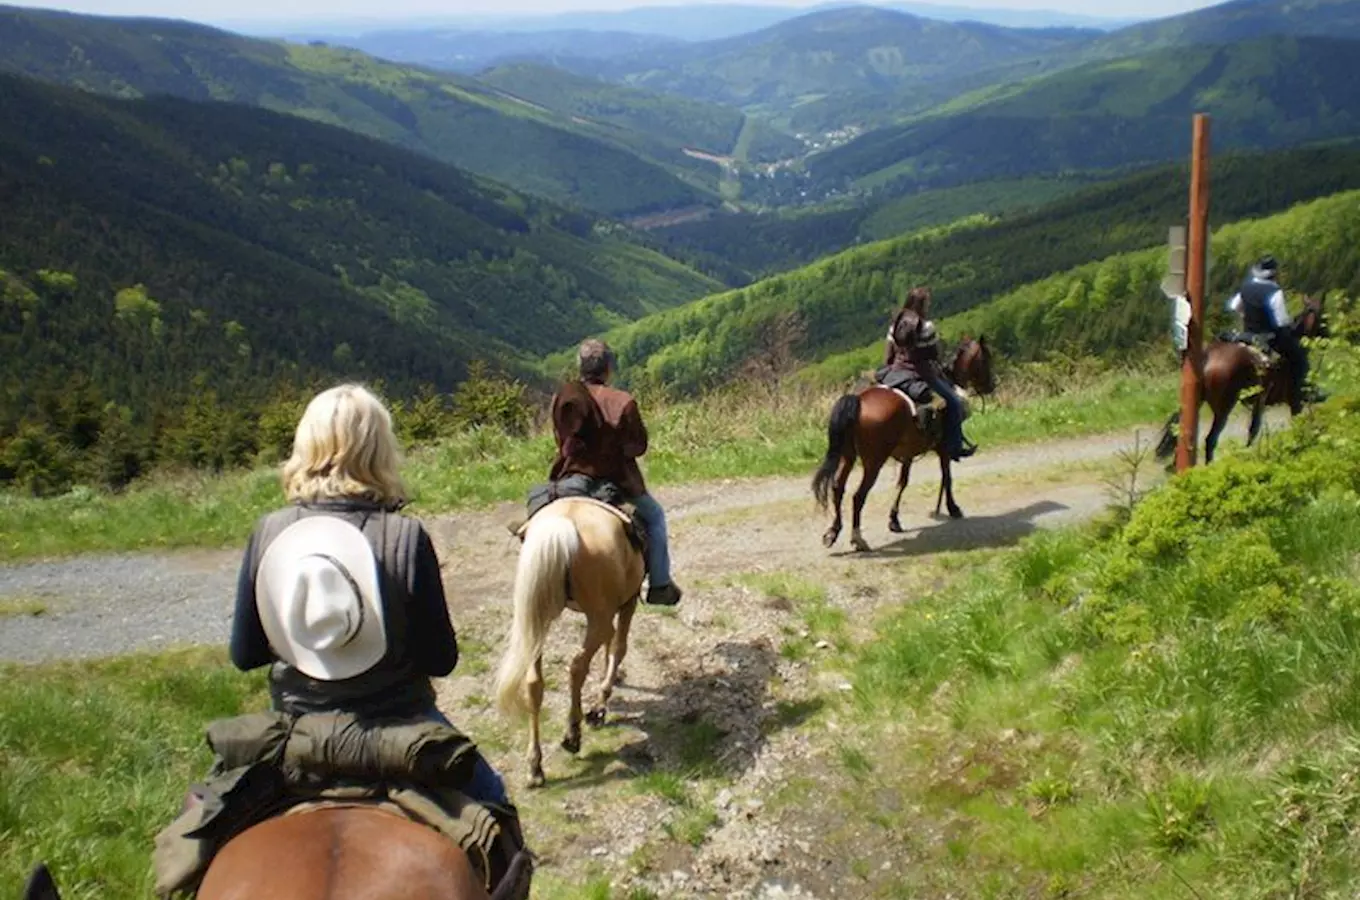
[{"x": 663, "y": 595}]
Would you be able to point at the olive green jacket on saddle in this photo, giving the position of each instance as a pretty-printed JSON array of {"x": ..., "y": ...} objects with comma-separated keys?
[{"x": 270, "y": 762}]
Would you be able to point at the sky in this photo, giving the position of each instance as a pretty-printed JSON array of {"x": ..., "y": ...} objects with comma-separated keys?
[{"x": 220, "y": 11}]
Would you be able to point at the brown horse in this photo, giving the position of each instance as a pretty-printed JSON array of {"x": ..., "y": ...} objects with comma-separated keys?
[
  {"x": 576, "y": 554},
  {"x": 971, "y": 367},
  {"x": 1230, "y": 368},
  {"x": 333, "y": 854},
  {"x": 875, "y": 425}
]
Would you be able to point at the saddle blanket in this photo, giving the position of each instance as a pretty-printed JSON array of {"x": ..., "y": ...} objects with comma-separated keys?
[{"x": 622, "y": 514}]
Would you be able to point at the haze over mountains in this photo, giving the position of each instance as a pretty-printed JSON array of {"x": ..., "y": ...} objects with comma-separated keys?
[{"x": 705, "y": 22}]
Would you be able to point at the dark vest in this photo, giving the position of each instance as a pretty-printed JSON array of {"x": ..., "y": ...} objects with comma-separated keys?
[
  {"x": 392, "y": 687},
  {"x": 1256, "y": 295}
]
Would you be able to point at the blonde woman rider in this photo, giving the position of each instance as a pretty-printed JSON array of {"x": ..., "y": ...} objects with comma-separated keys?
[{"x": 338, "y": 590}]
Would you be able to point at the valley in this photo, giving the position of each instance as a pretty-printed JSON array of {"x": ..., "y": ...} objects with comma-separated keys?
[{"x": 1104, "y": 681}]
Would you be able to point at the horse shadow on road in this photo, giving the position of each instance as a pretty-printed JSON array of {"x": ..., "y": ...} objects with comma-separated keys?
[
  {"x": 969, "y": 533},
  {"x": 712, "y": 719}
]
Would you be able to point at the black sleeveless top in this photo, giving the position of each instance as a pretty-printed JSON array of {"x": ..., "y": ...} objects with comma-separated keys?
[{"x": 421, "y": 642}]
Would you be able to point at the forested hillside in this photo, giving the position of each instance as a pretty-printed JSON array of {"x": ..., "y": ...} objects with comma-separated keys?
[
  {"x": 663, "y": 120},
  {"x": 1115, "y": 307},
  {"x": 844, "y": 300},
  {"x": 1223, "y": 23},
  {"x": 1262, "y": 94},
  {"x": 451, "y": 118},
  {"x": 861, "y": 49},
  {"x": 1237, "y": 20},
  {"x": 748, "y": 246},
  {"x": 164, "y": 255}
]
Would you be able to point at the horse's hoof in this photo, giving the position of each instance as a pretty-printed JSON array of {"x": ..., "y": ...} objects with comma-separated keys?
[
  {"x": 536, "y": 780},
  {"x": 861, "y": 545},
  {"x": 955, "y": 512},
  {"x": 595, "y": 718},
  {"x": 572, "y": 743},
  {"x": 829, "y": 539},
  {"x": 895, "y": 526}
]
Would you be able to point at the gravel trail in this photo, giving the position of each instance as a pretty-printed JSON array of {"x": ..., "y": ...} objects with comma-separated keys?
[{"x": 103, "y": 605}]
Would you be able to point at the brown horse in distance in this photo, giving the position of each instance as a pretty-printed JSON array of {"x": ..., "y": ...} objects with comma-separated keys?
[
  {"x": 358, "y": 852},
  {"x": 1230, "y": 368},
  {"x": 876, "y": 425}
]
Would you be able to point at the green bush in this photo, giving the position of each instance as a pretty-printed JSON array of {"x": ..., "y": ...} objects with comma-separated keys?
[{"x": 488, "y": 399}]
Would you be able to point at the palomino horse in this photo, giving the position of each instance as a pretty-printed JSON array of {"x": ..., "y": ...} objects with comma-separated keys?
[
  {"x": 876, "y": 424},
  {"x": 333, "y": 854},
  {"x": 576, "y": 553},
  {"x": 1230, "y": 369}
]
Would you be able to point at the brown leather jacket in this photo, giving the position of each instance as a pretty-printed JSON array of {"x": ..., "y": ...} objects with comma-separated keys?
[{"x": 599, "y": 433}]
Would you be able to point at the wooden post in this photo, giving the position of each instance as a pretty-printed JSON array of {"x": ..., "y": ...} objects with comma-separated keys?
[{"x": 1192, "y": 360}]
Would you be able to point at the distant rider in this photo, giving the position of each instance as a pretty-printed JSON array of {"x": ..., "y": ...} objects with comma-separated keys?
[
  {"x": 1261, "y": 304},
  {"x": 913, "y": 346},
  {"x": 600, "y": 434}
]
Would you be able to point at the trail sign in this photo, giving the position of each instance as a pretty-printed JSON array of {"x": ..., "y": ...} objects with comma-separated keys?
[
  {"x": 1180, "y": 321},
  {"x": 1173, "y": 285}
]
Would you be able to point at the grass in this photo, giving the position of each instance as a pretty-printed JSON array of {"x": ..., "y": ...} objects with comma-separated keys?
[
  {"x": 1164, "y": 703},
  {"x": 750, "y": 433},
  {"x": 95, "y": 758},
  {"x": 21, "y": 606}
]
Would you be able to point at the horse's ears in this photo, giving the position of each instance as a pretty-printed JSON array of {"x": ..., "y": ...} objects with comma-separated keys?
[{"x": 983, "y": 340}]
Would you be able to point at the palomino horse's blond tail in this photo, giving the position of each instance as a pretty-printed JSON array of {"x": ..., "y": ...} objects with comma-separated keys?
[{"x": 540, "y": 597}]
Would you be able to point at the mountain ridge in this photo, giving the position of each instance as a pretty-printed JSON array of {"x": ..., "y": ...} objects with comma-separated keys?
[
  {"x": 213, "y": 251},
  {"x": 1265, "y": 93},
  {"x": 454, "y": 119}
]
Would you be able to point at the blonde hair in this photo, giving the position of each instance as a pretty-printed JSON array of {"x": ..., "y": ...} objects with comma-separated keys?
[{"x": 344, "y": 447}]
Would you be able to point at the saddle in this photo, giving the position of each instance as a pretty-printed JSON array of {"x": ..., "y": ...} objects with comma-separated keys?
[
  {"x": 272, "y": 764},
  {"x": 1258, "y": 344},
  {"x": 596, "y": 490},
  {"x": 926, "y": 408}
]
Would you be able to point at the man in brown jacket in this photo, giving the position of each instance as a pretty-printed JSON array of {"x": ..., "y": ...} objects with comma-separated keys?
[{"x": 600, "y": 434}]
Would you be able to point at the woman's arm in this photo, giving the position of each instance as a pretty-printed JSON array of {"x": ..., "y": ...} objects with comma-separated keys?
[
  {"x": 249, "y": 645},
  {"x": 430, "y": 635}
]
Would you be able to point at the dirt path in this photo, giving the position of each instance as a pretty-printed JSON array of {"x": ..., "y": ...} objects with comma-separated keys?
[
  {"x": 691, "y": 789},
  {"x": 111, "y": 604}
]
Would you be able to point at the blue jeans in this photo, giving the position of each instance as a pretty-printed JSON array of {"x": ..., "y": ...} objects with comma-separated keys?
[
  {"x": 485, "y": 786},
  {"x": 652, "y": 518},
  {"x": 953, "y": 414}
]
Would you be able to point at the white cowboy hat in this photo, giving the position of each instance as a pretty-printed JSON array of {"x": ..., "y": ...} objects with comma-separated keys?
[{"x": 319, "y": 601}]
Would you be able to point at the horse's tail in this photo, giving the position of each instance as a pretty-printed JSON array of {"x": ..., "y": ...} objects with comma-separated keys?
[
  {"x": 540, "y": 597},
  {"x": 844, "y": 415},
  {"x": 40, "y": 885},
  {"x": 1170, "y": 436}
]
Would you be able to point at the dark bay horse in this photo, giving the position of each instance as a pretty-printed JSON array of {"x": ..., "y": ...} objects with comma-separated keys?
[
  {"x": 876, "y": 425},
  {"x": 343, "y": 853},
  {"x": 1230, "y": 368}
]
